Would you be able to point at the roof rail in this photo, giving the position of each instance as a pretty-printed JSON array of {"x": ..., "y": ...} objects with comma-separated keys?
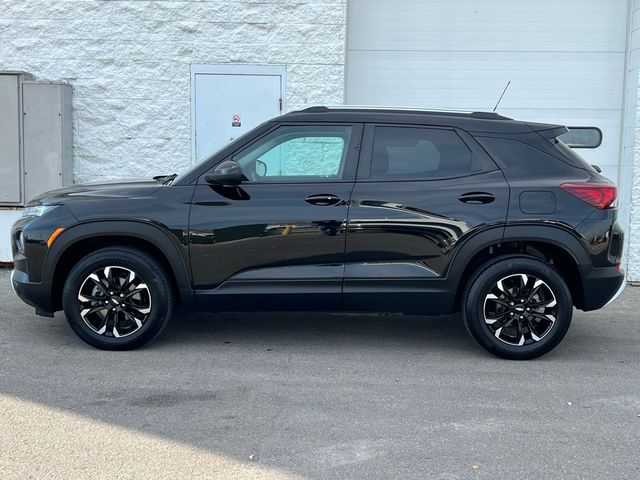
[
  {"x": 326, "y": 108},
  {"x": 322, "y": 108},
  {"x": 490, "y": 115}
]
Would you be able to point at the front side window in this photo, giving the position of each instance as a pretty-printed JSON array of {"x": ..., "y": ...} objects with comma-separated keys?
[
  {"x": 297, "y": 153},
  {"x": 407, "y": 153}
]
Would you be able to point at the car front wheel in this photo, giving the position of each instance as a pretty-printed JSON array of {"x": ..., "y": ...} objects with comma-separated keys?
[
  {"x": 517, "y": 307},
  {"x": 117, "y": 298}
]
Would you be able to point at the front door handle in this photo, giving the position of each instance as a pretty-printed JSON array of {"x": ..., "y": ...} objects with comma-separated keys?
[
  {"x": 323, "y": 199},
  {"x": 477, "y": 197}
]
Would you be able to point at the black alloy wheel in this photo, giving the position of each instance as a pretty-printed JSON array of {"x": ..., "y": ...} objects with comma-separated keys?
[
  {"x": 517, "y": 307},
  {"x": 117, "y": 298}
]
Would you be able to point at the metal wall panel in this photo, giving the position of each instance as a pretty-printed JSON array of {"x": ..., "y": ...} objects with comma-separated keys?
[
  {"x": 67, "y": 134},
  {"x": 565, "y": 60},
  {"x": 10, "y": 174},
  {"x": 43, "y": 141}
]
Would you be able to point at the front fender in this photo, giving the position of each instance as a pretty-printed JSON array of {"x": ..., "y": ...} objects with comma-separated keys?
[{"x": 163, "y": 240}]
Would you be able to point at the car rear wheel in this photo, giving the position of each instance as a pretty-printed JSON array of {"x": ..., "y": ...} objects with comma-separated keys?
[
  {"x": 117, "y": 298},
  {"x": 517, "y": 307}
]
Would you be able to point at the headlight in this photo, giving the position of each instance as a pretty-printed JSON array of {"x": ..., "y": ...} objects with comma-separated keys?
[{"x": 37, "y": 210}]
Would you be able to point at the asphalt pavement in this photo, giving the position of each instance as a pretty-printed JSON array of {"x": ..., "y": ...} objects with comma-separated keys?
[{"x": 318, "y": 396}]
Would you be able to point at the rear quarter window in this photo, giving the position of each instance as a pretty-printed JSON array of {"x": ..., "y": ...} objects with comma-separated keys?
[
  {"x": 518, "y": 158},
  {"x": 571, "y": 155}
]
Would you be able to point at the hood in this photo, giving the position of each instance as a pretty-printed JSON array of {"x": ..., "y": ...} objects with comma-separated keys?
[{"x": 126, "y": 188}]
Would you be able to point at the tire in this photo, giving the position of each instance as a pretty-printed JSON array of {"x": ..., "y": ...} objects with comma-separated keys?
[
  {"x": 496, "y": 316},
  {"x": 117, "y": 298}
]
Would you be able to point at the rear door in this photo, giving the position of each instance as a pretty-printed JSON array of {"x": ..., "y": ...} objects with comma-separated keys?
[{"x": 419, "y": 192}]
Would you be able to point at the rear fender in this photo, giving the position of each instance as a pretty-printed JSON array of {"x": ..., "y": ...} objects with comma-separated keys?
[{"x": 553, "y": 234}]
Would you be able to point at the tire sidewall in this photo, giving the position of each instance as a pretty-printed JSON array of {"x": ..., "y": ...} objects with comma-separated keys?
[
  {"x": 147, "y": 269},
  {"x": 485, "y": 279}
]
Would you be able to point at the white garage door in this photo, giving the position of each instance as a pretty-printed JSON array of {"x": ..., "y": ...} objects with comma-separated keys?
[{"x": 565, "y": 60}]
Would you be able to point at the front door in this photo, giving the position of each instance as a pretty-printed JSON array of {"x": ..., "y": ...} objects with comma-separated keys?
[
  {"x": 277, "y": 241},
  {"x": 420, "y": 191}
]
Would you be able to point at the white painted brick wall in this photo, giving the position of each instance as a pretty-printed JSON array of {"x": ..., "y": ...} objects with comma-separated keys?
[
  {"x": 629, "y": 178},
  {"x": 129, "y": 64},
  {"x": 633, "y": 265}
]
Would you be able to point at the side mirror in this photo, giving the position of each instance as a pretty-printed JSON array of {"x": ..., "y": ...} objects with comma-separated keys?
[{"x": 227, "y": 173}]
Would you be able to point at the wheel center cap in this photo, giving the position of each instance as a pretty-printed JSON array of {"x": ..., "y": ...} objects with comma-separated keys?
[
  {"x": 519, "y": 308},
  {"x": 115, "y": 301}
]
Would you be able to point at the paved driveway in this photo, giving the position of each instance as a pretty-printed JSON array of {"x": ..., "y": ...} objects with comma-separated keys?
[{"x": 318, "y": 396}]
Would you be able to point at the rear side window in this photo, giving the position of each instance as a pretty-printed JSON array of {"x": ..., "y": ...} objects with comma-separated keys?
[
  {"x": 518, "y": 158},
  {"x": 572, "y": 155},
  {"x": 407, "y": 153}
]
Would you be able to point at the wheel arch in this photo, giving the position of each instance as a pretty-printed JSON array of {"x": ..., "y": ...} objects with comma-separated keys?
[
  {"x": 84, "y": 238},
  {"x": 550, "y": 243}
]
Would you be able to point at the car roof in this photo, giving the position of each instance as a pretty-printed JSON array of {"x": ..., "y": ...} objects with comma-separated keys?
[{"x": 480, "y": 122}]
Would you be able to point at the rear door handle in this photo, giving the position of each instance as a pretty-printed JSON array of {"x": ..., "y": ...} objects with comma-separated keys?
[
  {"x": 323, "y": 199},
  {"x": 477, "y": 197}
]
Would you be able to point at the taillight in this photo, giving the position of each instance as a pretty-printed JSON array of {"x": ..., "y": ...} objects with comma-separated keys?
[{"x": 599, "y": 195}]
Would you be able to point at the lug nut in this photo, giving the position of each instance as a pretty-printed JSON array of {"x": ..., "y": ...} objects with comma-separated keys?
[
  {"x": 113, "y": 309},
  {"x": 512, "y": 304},
  {"x": 122, "y": 295},
  {"x": 511, "y": 314}
]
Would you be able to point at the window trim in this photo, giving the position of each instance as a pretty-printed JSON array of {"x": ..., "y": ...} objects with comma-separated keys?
[
  {"x": 366, "y": 157},
  {"x": 351, "y": 159}
]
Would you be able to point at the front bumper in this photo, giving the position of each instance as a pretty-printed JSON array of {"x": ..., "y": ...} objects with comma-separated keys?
[
  {"x": 38, "y": 295},
  {"x": 29, "y": 244},
  {"x": 602, "y": 286}
]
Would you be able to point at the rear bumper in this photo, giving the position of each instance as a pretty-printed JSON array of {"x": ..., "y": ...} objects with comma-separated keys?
[
  {"x": 618, "y": 293},
  {"x": 602, "y": 286},
  {"x": 38, "y": 295}
]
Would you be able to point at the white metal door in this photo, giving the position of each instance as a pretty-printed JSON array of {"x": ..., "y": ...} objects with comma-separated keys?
[
  {"x": 226, "y": 104},
  {"x": 565, "y": 60}
]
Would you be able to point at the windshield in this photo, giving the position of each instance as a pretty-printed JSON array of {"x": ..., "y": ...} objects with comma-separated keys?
[
  {"x": 195, "y": 166},
  {"x": 238, "y": 141}
]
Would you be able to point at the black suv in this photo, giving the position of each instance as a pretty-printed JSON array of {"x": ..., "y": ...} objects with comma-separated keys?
[{"x": 333, "y": 209}]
